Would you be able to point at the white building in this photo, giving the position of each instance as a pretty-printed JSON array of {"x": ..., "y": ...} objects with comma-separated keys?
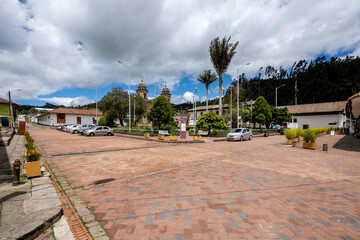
[
  {"x": 317, "y": 115},
  {"x": 61, "y": 116}
]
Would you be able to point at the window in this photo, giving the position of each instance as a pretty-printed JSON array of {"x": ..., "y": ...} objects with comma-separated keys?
[
  {"x": 295, "y": 120},
  {"x": 61, "y": 118}
]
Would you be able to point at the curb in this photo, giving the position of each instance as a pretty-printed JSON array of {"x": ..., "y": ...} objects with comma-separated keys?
[{"x": 154, "y": 140}]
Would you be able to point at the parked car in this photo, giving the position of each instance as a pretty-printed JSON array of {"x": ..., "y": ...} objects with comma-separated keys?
[
  {"x": 77, "y": 128},
  {"x": 66, "y": 126},
  {"x": 99, "y": 130},
  {"x": 70, "y": 129},
  {"x": 239, "y": 134},
  {"x": 82, "y": 129}
]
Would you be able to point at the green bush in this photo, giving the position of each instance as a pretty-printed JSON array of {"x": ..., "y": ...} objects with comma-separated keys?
[
  {"x": 290, "y": 134},
  {"x": 310, "y": 135},
  {"x": 106, "y": 121},
  {"x": 210, "y": 121}
]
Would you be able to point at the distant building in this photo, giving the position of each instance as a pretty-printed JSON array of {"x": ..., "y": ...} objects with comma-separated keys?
[
  {"x": 317, "y": 115},
  {"x": 5, "y": 115},
  {"x": 144, "y": 93},
  {"x": 202, "y": 109},
  {"x": 61, "y": 116}
]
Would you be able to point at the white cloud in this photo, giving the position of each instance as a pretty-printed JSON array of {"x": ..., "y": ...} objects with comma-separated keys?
[
  {"x": 187, "y": 97},
  {"x": 68, "y": 102},
  {"x": 52, "y": 45}
]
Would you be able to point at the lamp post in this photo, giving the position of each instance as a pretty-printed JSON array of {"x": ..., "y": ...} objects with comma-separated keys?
[
  {"x": 129, "y": 95},
  {"x": 276, "y": 94},
  {"x": 237, "y": 100},
  {"x": 195, "y": 109},
  {"x": 134, "y": 111},
  {"x": 231, "y": 107}
]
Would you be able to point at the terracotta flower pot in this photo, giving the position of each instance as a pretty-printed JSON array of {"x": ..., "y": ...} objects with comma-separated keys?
[
  {"x": 33, "y": 169},
  {"x": 309, "y": 145},
  {"x": 161, "y": 137},
  {"x": 173, "y": 138}
]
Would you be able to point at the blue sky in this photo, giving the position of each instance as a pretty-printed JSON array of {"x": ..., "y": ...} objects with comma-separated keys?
[{"x": 52, "y": 50}]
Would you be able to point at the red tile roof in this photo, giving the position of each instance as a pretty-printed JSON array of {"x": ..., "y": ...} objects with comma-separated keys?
[
  {"x": 73, "y": 111},
  {"x": 317, "y": 107},
  {"x": 7, "y": 101}
]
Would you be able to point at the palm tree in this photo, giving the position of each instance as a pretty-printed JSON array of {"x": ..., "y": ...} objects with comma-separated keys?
[
  {"x": 207, "y": 78},
  {"x": 221, "y": 53}
]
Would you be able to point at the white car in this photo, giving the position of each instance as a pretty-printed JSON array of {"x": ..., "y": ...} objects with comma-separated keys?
[
  {"x": 239, "y": 134},
  {"x": 70, "y": 129}
]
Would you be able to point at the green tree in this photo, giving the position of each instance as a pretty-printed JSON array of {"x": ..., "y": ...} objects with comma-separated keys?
[
  {"x": 207, "y": 78},
  {"x": 161, "y": 113},
  {"x": 221, "y": 53},
  {"x": 262, "y": 112},
  {"x": 280, "y": 115},
  {"x": 244, "y": 113},
  {"x": 140, "y": 106},
  {"x": 115, "y": 104},
  {"x": 209, "y": 121}
]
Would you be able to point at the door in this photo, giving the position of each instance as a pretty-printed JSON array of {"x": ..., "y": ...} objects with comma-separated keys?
[
  {"x": 5, "y": 121},
  {"x": 78, "y": 120},
  {"x": 99, "y": 131},
  {"x": 94, "y": 120}
]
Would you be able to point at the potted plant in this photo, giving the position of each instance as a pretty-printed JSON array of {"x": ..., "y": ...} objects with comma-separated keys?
[
  {"x": 146, "y": 135},
  {"x": 197, "y": 137},
  {"x": 161, "y": 137},
  {"x": 290, "y": 134},
  {"x": 310, "y": 137},
  {"x": 32, "y": 158},
  {"x": 173, "y": 137}
]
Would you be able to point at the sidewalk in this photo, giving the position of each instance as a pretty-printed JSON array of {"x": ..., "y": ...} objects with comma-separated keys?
[{"x": 30, "y": 208}]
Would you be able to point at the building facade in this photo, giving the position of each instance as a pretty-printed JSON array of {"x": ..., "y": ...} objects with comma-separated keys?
[
  {"x": 6, "y": 119},
  {"x": 61, "y": 116}
]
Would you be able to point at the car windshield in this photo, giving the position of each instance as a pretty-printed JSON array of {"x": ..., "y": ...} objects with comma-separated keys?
[{"x": 237, "y": 130}]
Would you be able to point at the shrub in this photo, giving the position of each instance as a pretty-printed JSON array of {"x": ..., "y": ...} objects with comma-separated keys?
[
  {"x": 298, "y": 132},
  {"x": 290, "y": 134},
  {"x": 106, "y": 121},
  {"x": 210, "y": 121},
  {"x": 310, "y": 135}
]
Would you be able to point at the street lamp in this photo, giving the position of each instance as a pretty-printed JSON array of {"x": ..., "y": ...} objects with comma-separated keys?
[
  {"x": 129, "y": 95},
  {"x": 237, "y": 100},
  {"x": 276, "y": 94},
  {"x": 195, "y": 110}
]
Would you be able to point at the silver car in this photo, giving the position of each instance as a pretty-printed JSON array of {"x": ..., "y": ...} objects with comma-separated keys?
[
  {"x": 77, "y": 128},
  {"x": 99, "y": 130},
  {"x": 239, "y": 134}
]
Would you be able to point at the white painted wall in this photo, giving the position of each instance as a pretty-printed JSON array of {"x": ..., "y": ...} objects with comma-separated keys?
[
  {"x": 51, "y": 119},
  {"x": 320, "y": 121}
]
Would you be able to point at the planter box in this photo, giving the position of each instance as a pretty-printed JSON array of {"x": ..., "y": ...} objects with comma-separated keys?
[
  {"x": 309, "y": 145},
  {"x": 197, "y": 138},
  {"x": 33, "y": 169},
  {"x": 173, "y": 138},
  {"x": 147, "y": 135},
  {"x": 289, "y": 142},
  {"x": 161, "y": 137}
]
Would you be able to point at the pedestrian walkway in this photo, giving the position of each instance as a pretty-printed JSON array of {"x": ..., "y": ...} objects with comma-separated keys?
[{"x": 30, "y": 207}]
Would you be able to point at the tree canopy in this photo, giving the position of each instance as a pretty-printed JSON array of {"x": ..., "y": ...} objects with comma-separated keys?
[
  {"x": 221, "y": 53},
  {"x": 207, "y": 78},
  {"x": 161, "y": 113},
  {"x": 262, "y": 112},
  {"x": 209, "y": 121}
]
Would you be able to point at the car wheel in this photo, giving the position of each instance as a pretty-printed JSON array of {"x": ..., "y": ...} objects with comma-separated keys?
[
  {"x": 92, "y": 134},
  {"x": 250, "y": 137},
  {"x": 76, "y": 131},
  {"x": 241, "y": 138},
  {"x": 109, "y": 134}
]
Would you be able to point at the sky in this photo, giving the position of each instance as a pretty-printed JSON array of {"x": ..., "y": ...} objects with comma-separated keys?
[{"x": 61, "y": 51}]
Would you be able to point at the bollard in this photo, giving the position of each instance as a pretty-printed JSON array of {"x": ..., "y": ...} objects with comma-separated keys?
[
  {"x": 325, "y": 147},
  {"x": 16, "y": 172},
  {"x": 294, "y": 143}
]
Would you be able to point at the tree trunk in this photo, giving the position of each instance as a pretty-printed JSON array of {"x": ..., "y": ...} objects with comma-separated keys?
[
  {"x": 207, "y": 98},
  {"x": 220, "y": 94}
]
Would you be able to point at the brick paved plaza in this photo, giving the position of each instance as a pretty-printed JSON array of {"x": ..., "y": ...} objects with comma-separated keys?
[{"x": 138, "y": 189}]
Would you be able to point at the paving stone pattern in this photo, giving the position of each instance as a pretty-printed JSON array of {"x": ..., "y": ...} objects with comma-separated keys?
[{"x": 237, "y": 190}]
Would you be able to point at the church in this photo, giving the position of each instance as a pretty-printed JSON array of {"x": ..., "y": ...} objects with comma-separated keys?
[{"x": 144, "y": 93}]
